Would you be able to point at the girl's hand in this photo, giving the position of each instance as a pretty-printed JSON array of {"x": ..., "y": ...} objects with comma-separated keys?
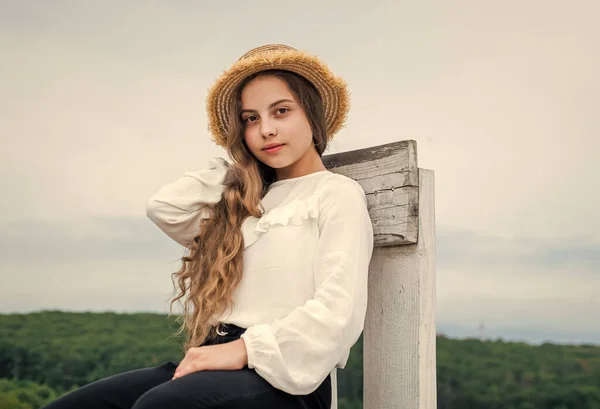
[{"x": 230, "y": 356}]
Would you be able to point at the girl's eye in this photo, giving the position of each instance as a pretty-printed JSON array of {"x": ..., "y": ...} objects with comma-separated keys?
[
  {"x": 282, "y": 109},
  {"x": 250, "y": 118}
]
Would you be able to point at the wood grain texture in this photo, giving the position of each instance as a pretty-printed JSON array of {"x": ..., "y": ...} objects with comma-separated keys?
[
  {"x": 334, "y": 389},
  {"x": 399, "y": 336},
  {"x": 389, "y": 176},
  {"x": 427, "y": 293}
]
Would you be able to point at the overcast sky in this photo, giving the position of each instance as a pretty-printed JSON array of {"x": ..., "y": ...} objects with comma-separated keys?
[{"x": 102, "y": 102}]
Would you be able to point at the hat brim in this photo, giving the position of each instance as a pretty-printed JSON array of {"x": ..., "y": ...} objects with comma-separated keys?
[{"x": 332, "y": 89}]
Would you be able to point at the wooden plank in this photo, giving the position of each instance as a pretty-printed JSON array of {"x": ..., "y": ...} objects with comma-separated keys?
[
  {"x": 334, "y": 389},
  {"x": 389, "y": 176},
  {"x": 399, "y": 337},
  {"x": 427, "y": 294}
]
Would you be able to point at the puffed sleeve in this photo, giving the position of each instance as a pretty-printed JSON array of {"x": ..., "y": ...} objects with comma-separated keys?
[
  {"x": 177, "y": 207},
  {"x": 296, "y": 353}
]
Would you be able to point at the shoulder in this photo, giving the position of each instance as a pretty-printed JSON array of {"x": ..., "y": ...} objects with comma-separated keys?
[
  {"x": 342, "y": 205},
  {"x": 341, "y": 192},
  {"x": 337, "y": 186}
]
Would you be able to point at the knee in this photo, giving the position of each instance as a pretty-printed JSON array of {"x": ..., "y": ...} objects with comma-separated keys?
[{"x": 161, "y": 397}]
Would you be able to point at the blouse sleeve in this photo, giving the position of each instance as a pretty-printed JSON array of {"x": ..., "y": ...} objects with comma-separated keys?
[
  {"x": 296, "y": 353},
  {"x": 178, "y": 206}
]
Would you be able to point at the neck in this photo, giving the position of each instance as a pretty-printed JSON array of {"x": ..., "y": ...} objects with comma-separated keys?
[{"x": 309, "y": 163}]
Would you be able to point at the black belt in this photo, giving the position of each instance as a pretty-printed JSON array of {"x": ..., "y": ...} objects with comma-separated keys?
[{"x": 226, "y": 333}]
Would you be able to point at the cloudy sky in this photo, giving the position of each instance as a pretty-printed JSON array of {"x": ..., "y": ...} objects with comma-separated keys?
[{"x": 102, "y": 102}]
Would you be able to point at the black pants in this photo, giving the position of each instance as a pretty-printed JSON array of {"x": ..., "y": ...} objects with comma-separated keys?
[{"x": 152, "y": 388}]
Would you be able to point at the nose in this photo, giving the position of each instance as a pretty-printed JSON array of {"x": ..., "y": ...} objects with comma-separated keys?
[{"x": 267, "y": 128}]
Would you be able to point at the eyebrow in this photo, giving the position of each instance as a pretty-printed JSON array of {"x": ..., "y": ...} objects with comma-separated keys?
[{"x": 270, "y": 106}]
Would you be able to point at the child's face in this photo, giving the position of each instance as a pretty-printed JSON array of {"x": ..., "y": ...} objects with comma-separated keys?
[{"x": 270, "y": 115}]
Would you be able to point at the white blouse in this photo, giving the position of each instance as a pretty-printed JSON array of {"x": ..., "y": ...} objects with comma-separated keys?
[{"x": 303, "y": 295}]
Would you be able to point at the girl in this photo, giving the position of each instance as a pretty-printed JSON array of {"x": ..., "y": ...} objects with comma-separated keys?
[{"x": 274, "y": 282}]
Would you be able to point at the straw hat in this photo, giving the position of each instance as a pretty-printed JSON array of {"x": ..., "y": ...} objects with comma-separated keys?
[{"x": 333, "y": 89}]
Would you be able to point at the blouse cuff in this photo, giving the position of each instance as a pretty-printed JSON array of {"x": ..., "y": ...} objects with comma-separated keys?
[{"x": 253, "y": 338}]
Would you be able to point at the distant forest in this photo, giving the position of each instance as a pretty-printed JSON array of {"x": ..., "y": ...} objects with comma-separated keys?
[{"x": 44, "y": 355}]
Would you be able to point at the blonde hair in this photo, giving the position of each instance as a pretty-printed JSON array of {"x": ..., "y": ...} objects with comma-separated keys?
[{"x": 213, "y": 268}]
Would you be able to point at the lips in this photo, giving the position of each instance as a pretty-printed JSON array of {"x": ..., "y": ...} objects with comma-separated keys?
[{"x": 273, "y": 146}]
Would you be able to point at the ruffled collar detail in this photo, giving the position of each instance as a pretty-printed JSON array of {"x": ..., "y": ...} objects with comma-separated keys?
[{"x": 296, "y": 212}]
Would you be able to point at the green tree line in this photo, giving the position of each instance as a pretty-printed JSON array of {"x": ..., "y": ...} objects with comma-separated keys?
[{"x": 46, "y": 354}]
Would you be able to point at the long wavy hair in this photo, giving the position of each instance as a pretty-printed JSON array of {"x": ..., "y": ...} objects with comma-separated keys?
[{"x": 213, "y": 266}]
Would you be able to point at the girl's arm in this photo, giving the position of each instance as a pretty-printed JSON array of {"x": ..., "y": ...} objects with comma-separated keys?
[{"x": 178, "y": 206}]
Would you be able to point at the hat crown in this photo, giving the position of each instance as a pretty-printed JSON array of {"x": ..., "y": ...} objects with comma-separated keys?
[{"x": 267, "y": 49}]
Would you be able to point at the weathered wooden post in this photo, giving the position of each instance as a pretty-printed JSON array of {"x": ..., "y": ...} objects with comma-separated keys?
[{"x": 399, "y": 337}]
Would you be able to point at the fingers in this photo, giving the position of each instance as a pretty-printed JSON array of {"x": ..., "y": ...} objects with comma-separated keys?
[
  {"x": 192, "y": 362},
  {"x": 186, "y": 369}
]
